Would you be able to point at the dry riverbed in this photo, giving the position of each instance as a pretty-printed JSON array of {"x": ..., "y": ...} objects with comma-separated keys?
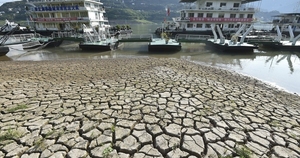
[{"x": 142, "y": 107}]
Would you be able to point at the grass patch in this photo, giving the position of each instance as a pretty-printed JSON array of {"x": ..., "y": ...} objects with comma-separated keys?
[
  {"x": 19, "y": 107},
  {"x": 243, "y": 152},
  {"x": 106, "y": 152},
  {"x": 10, "y": 135}
]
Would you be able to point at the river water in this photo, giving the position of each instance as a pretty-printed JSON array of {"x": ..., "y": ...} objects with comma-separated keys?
[{"x": 277, "y": 68}]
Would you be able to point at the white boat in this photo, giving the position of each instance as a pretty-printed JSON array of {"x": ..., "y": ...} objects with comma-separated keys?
[
  {"x": 10, "y": 26},
  {"x": 291, "y": 43},
  {"x": 198, "y": 16},
  {"x": 48, "y": 16},
  {"x": 98, "y": 41},
  {"x": 233, "y": 45},
  {"x": 164, "y": 44},
  {"x": 284, "y": 21}
]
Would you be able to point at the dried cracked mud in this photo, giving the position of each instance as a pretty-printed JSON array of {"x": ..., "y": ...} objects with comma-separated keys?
[{"x": 142, "y": 107}]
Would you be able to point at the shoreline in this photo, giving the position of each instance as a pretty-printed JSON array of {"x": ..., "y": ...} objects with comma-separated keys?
[{"x": 138, "y": 107}]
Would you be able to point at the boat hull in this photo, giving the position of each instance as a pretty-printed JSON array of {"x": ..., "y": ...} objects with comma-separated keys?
[
  {"x": 232, "y": 48},
  {"x": 161, "y": 45},
  {"x": 94, "y": 47},
  {"x": 280, "y": 46},
  {"x": 3, "y": 50},
  {"x": 164, "y": 48}
]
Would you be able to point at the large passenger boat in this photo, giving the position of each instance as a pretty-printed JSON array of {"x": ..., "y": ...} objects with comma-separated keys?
[
  {"x": 198, "y": 16},
  {"x": 48, "y": 16}
]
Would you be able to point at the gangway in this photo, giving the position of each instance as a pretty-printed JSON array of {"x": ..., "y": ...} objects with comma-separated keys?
[
  {"x": 192, "y": 38},
  {"x": 136, "y": 38}
]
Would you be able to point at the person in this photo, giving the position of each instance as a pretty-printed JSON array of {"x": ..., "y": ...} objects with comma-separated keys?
[{"x": 117, "y": 34}]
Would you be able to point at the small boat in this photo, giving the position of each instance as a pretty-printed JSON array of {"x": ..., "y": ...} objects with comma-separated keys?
[
  {"x": 9, "y": 26},
  {"x": 232, "y": 45},
  {"x": 163, "y": 45},
  {"x": 291, "y": 44},
  {"x": 102, "y": 45},
  {"x": 3, "y": 50},
  {"x": 98, "y": 41},
  {"x": 38, "y": 40}
]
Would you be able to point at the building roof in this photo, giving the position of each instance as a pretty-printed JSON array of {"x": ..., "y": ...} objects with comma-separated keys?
[
  {"x": 287, "y": 14},
  {"x": 192, "y": 1}
]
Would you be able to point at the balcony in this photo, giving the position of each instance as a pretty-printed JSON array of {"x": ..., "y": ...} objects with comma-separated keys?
[
  {"x": 66, "y": 8},
  {"x": 227, "y": 9}
]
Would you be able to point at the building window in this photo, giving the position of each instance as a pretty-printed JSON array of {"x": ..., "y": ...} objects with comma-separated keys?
[
  {"x": 189, "y": 25},
  {"x": 232, "y": 15},
  {"x": 241, "y": 15},
  {"x": 200, "y": 15},
  {"x": 209, "y": 15},
  {"x": 207, "y": 25},
  {"x": 208, "y": 4},
  {"x": 199, "y": 25},
  {"x": 191, "y": 14},
  {"x": 221, "y": 15},
  {"x": 250, "y": 16},
  {"x": 236, "y": 5},
  {"x": 222, "y": 4}
]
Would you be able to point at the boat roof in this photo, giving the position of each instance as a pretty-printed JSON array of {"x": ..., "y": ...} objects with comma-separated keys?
[
  {"x": 287, "y": 14},
  {"x": 192, "y": 1}
]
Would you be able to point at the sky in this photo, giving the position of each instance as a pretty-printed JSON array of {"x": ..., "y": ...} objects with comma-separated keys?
[{"x": 283, "y": 6}]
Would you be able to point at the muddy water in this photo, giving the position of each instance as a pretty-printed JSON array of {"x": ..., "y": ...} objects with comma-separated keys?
[{"x": 281, "y": 69}]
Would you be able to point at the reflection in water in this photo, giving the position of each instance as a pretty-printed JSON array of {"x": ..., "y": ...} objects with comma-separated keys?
[{"x": 279, "y": 68}]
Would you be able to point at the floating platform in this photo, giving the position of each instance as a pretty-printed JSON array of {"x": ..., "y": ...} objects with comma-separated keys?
[
  {"x": 229, "y": 46},
  {"x": 160, "y": 45},
  {"x": 189, "y": 38}
]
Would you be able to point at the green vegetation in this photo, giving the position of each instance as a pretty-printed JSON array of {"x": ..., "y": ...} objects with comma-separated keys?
[
  {"x": 106, "y": 152},
  {"x": 19, "y": 107},
  {"x": 142, "y": 11},
  {"x": 9, "y": 135},
  {"x": 243, "y": 152}
]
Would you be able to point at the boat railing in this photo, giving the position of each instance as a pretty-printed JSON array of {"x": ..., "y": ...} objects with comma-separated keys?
[
  {"x": 190, "y": 37},
  {"x": 135, "y": 37}
]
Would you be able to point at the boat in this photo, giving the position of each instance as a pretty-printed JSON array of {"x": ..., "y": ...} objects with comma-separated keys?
[
  {"x": 286, "y": 20},
  {"x": 233, "y": 45},
  {"x": 3, "y": 50},
  {"x": 291, "y": 43},
  {"x": 164, "y": 44},
  {"x": 10, "y": 25},
  {"x": 98, "y": 41},
  {"x": 198, "y": 16},
  {"x": 49, "y": 16}
]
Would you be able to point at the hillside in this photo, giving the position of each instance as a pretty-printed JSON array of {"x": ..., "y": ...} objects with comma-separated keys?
[{"x": 132, "y": 10}]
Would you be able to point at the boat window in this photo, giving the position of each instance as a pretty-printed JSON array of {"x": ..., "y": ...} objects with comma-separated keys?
[
  {"x": 230, "y": 25},
  {"x": 209, "y": 15},
  {"x": 199, "y": 25},
  {"x": 189, "y": 25},
  {"x": 250, "y": 16},
  {"x": 232, "y": 15},
  {"x": 200, "y": 15},
  {"x": 208, "y": 4},
  {"x": 222, "y": 4},
  {"x": 191, "y": 14},
  {"x": 236, "y": 4},
  {"x": 207, "y": 25}
]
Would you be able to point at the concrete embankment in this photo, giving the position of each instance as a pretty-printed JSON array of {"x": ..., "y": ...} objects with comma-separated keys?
[{"x": 141, "y": 107}]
